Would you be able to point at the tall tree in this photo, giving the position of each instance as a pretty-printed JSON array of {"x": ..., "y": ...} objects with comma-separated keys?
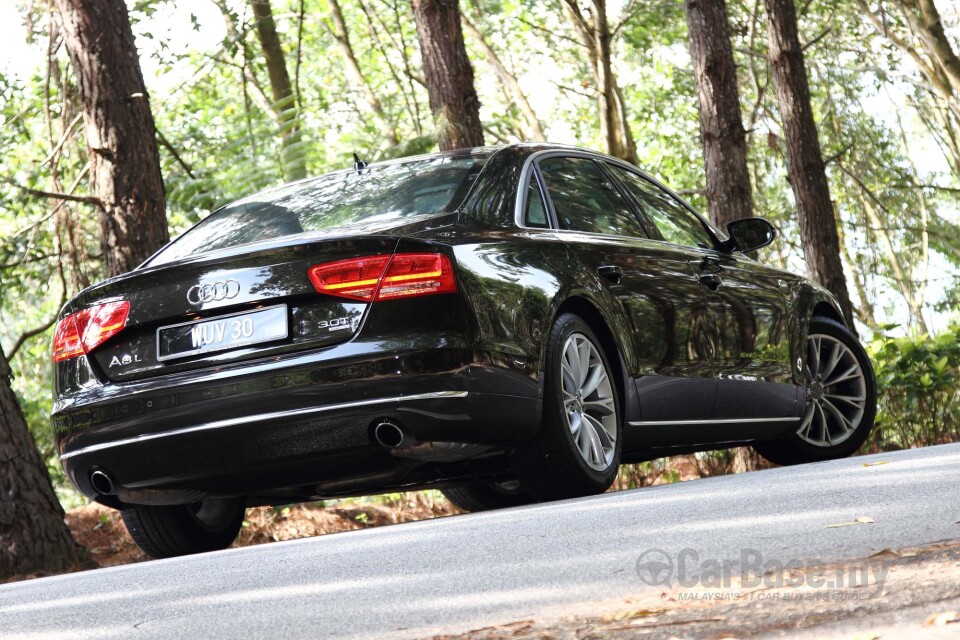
[
  {"x": 532, "y": 129},
  {"x": 923, "y": 39},
  {"x": 805, "y": 166},
  {"x": 33, "y": 536},
  {"x": 448, "y": 74},
  {"x": 594, "y": 33},
  {"x": 121, "y": 137},
  {"x": 338, "y": 29},
  {"x": 293, "y": 160},
  {"x": 925, "y": 22},
  {"x": 729, "y": 196}
]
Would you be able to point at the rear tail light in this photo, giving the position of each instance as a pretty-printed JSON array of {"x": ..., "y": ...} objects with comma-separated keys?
[
  {"x": 384, "y": 277},
  {"x": 82, "y": 332},
  {"x": 417, "y": 274},
  {"x": 356, "y": 279}
]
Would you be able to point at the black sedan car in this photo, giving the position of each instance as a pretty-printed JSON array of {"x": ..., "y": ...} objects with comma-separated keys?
[{"x": 506, "y": 324}]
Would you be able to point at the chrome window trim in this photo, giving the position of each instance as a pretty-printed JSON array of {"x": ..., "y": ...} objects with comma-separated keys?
[
  {"x": 528, "y": 168},
  {"x": 274, "y": 415},
  {"x": 525, "y": 199}
]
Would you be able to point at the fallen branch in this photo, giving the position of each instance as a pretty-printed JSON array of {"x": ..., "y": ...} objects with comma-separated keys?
[
  {"x": 817, "y": 39},
  {"x": 837, "y": 155},
  {"x": 40, "y": 193},
  {"x": 29, "y": 334},
  {"x": 935, "y": 187},
  {"x": 162, "y": 139}
]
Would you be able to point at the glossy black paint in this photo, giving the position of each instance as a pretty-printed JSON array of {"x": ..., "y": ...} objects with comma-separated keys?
[{"x": 707, "y": 344}]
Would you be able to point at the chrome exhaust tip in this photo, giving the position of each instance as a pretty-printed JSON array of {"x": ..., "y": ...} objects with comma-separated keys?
[
  {"x": 102, "y": 483},
  {"x": 390, "y": 435}
]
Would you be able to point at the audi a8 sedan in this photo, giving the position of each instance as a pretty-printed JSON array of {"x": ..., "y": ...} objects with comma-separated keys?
[{"x": 507, "y": 324}]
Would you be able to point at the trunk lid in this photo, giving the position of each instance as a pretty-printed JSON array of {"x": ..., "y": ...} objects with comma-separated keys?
[{"x": 219, "y": 292}]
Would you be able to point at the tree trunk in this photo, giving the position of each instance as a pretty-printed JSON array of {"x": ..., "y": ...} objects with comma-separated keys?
[
  {"x": 533, "y": 128},
  {"x": 924, "y": 41},
  {"x": 808, "y": 177},
  {"x": 721, "y": 127},
  {"x": 33, "y": 536},
  {"x": 594, "y": 34},
  {"x": 292, "y": 158},
  {"x": 925, "y": 21},
  {"x": 905, "y": 284},
  {"x": 120, "y": 133},
  {"x": 448, "y": 74},
  {"x": 338, "y": 29}
]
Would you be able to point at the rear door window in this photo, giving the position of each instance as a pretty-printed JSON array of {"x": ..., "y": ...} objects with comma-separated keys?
[
  {"x": 585, "y": 200},
  {"x": 676, "y": 223},
  {"x": 536, "y": 213}
]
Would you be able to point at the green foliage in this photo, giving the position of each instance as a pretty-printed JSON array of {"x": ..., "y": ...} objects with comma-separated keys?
[{"x": 919, "y": 399}]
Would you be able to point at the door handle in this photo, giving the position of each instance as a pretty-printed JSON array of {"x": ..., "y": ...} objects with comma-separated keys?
[
  {"x": 611, "y": 272},
  {"x": 711, "y": 265},
  {"x": 711, "y": 281}
]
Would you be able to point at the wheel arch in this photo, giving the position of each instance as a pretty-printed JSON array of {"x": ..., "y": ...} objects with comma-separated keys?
[
  {"x": 590, "y": 313},
  {"x": 809, "y": 301},
  {"x": 824, "y": 309}
]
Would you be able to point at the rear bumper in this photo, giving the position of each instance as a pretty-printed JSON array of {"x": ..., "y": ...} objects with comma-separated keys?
[{"x": 271, "y": 426}]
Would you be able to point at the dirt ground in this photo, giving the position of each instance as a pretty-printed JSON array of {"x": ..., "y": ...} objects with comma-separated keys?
[
  {"x": 917, "y": 597},
  {"x": 100, "y": 530}
]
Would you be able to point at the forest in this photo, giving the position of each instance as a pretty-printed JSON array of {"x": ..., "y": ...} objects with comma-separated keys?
[{"x": 719, "y": 102}]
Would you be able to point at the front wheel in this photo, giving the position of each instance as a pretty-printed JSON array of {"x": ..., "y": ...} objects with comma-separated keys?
[
  {"x": 577, "y": 450},
  {"x": 168, "y": 531},
  {"x": 841, "y": 401}
]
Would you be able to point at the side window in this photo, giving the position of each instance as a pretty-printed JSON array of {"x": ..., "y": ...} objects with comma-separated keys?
[
  {"x": 585, "y": 200},
  {"x": 674, "y": 221},
  {"x": 536, "y": 213}
]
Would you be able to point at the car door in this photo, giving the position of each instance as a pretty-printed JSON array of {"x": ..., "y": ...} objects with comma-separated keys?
[
  {"x": 654, "y": 282},
  {"x": 753, "y": 340},
  {"x": 748, "y": 310}
]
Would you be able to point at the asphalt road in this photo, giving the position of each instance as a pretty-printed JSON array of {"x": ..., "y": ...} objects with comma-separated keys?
[{"x": 465, "y": 572}]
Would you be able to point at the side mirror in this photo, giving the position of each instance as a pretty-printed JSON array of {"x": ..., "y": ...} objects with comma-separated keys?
[{"x": 749, "y": 234}]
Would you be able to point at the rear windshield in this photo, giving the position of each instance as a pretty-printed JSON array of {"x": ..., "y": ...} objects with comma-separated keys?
[{"x": 379, "y": 198}]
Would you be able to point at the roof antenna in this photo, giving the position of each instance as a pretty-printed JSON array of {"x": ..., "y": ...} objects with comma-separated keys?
[{"x": 358, "y": 164}]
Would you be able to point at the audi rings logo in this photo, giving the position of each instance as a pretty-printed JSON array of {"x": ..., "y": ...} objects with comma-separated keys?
[{"x": 213, "y": 292}]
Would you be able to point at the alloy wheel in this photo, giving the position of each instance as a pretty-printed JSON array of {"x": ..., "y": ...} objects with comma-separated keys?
[
  {"x": 836, "y": 392},
  {"x": 588, "y": 402}
]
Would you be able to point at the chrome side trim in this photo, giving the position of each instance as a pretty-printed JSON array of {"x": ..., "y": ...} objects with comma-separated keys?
[
  {"x": 654, "y": 423},
  {"x": 274, "y": 415}
]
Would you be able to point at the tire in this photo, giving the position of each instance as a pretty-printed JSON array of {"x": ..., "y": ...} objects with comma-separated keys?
[
  {"x": 485, "y": 497},
  {"x": 168, "y": 531},
  {"x": 832, "y": 427},
  {"x": 555, "y": 464}
]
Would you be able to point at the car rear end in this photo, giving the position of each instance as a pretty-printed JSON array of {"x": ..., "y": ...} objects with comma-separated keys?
[{"x": 256, "y": 354}]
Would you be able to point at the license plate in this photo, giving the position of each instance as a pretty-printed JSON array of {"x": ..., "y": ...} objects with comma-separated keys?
[{"x": 226, "y": 332}]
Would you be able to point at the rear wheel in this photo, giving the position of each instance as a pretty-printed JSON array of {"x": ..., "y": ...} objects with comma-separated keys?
[
  {"x": 167, "y": 531},
  {"x": 841, "y": 399},
  {"x": 484, "y": 497},
  {"x": 577, "y": 450}
]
